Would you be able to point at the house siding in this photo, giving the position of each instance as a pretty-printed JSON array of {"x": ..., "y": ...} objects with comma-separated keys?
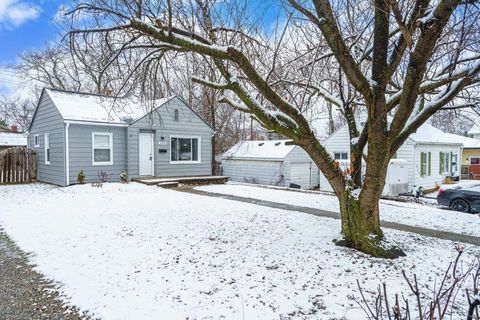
[
  {"x": 255, "y": 171},
  {"x": 81, "y": 154},
  {"x": 409, "y": 151},
  {"x": 467, "y": 153},
  {"x": 162, "y": 123},
  {"x": 48, "y": 120},
  {"x": 277, "y": 172},
  {"x": 339, "y": 141},
  {"x": 300, "y": 157},
  {"x": 406, "y": 152},
  {"x": 431, "y": 181}
]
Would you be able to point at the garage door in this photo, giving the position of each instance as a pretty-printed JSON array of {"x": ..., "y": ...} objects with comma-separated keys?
[{"x": 300, "y": 174}]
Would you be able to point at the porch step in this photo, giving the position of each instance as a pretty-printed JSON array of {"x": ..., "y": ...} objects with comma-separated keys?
[
  {"x": 194, "y": 180},
  {"x": 172, "y": 184}
]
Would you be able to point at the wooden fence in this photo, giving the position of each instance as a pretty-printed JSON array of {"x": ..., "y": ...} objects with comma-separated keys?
[{"x": 18, "y": 165}]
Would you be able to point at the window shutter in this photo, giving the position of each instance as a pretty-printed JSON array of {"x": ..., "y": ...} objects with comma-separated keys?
[
  {"x": 422, "y": 164},
  {"x": 441, "y": 162},
  {"x": 451, "y": 160},
  {"x": 429, "y": 163}
]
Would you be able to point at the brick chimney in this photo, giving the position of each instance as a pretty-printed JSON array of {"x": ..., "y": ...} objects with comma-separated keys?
[{"x": 13, "y": 128}]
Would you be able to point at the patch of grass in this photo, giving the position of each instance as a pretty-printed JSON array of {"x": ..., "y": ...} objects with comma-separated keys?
[{"x": 8, "y": 247}]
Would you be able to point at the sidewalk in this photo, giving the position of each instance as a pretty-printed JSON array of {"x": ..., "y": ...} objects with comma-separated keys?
[{"x": 444, "y": 235}]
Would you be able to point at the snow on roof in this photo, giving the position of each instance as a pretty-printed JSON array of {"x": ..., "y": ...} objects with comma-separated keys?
[
  {"x": 263, "y": 149},
  {"x": 474, "y": 130},
  {"x": 11, "y": 139},
  {"x": 467, "y": 142},
  {"x": 98, "y": 108},
  {"x": 429, "y": 134}
]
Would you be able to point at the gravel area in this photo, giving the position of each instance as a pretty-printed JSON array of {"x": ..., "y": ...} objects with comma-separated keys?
[{"x": 25, "y": 293}]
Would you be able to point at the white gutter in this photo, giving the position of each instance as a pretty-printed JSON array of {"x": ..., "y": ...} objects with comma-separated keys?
[
  {"x": 67, "y": 153},
  {"x": 93, "y": 123}
]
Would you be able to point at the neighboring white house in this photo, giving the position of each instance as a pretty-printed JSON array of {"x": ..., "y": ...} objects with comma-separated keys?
[
  {"x": 431, "y": 154},
  {"x": 12, "y": 139},
  {"x": 271, "y": 162},
  {"x": 474, "y": 132}
]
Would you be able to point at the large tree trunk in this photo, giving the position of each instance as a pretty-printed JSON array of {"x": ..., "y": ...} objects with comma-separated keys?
[
  {"x": 360, "y": 211},
  {"x": 361, "y": 227}
]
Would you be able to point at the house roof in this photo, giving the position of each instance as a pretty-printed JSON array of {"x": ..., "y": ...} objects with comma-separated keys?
[
  {"x": 98, "y": 108},
  {"x": 4, "y": 128},
  {"x": 468, "y": 143},
  {"x": 474, "y": 130},
  {"x": 429, "y": 134},
  {"x": 11, "y": 139},
  {"x": 262, "y": 149}
]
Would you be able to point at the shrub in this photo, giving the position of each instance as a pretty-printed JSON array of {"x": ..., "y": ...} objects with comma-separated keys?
[
  {"x": 103, "y": 176},
  {"x": 81, "y": 177},
  {"x": 124, "y": 177}
]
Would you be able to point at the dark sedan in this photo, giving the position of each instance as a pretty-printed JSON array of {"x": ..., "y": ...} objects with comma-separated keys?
[{"x": 464, "y": 198}]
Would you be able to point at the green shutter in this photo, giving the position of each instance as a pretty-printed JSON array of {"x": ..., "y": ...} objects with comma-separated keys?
[
  {"x": 429, "y": 163},
  {"x": 422, "y": 164},
  {"x": 441, "y": 162}
]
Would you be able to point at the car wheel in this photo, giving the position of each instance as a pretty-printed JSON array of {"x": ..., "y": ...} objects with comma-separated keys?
[{"x": 460, "y": 205}]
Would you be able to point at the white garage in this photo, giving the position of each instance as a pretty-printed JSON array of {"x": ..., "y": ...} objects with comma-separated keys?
[{"x": 270, "y": 162}]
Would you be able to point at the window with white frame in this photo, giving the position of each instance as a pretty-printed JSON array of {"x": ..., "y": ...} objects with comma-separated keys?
[
  {"x": 425, "y": 164},
  {"x": 185, "y": 149},
  {"x": 36, "y": 140},
  {"x": 340, "y": 155},
  {"x": 454, "y": 165},
  {"x": 47, "y": 148},
  {"x": 102, "y": 148},
  {"x": 445, "y": 162}
]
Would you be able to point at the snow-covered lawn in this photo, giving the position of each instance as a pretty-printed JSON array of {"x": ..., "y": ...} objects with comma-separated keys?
[
  {"x": 138, "y": 252},
  {"x": 393, "y": 211}
]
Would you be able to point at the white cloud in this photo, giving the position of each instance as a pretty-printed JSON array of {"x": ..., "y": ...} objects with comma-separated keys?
[{"x": 14, "y": 13}]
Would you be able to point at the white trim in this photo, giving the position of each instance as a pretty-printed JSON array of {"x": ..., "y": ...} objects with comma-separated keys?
[
  {"x": 95, "y": 123},
  {"x": 152, "y": 136},
  {"x": 46, "y": 137},
  {"x": 448, "y": 144},
  {"x": 104, "y": 163},
  {"x": 36, "y": 144},
  {"x": 67, "y": 155},
  {"x": 186, "y": 137}
]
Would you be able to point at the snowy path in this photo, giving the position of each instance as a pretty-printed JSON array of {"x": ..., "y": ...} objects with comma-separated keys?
[
  {"x": 139, "y": 252},
  {"x": 443, "y": 235},
  {"x": 399, "y": 212}
]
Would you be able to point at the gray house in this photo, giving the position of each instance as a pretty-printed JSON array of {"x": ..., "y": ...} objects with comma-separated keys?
[{"x": 74, "y": 131}]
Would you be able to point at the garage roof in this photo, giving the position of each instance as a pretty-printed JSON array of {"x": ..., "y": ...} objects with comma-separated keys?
[
  {"x": 12, "y": 139},
  {"x": 262, "y": 149}
]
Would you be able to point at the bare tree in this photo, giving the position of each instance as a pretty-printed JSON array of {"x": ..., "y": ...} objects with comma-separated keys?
[
  {"x": 440, "y": 301},
  {"x": 17, "y": 111},
  {"x": 396, "y": 61}
]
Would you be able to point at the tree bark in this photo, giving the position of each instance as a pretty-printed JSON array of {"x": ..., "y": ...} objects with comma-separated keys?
[{"x": 361, "y": 227}]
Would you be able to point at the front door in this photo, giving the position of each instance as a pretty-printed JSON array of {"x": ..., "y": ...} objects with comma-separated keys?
[{"x": 145, "y": 154}]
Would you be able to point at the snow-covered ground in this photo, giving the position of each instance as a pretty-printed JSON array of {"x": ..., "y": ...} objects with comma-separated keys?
[
  {"x": 402, "y": 212},
  {"x": 138, "y": 252}
]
